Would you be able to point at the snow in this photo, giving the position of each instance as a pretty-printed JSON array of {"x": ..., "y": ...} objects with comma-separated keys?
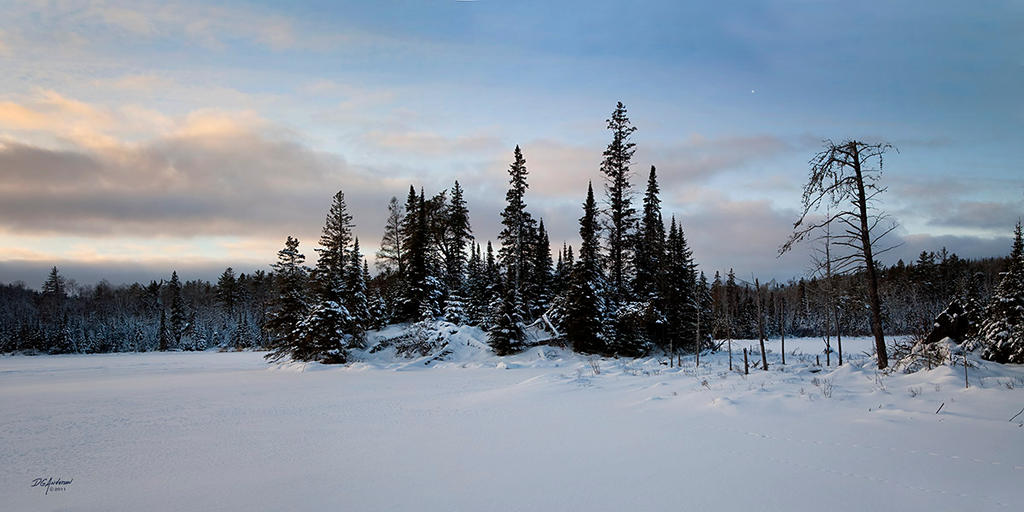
[{"x": 543, "y": 430}]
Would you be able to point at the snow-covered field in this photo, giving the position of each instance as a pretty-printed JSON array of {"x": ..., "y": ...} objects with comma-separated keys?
[{"x": 544, "y": 430}]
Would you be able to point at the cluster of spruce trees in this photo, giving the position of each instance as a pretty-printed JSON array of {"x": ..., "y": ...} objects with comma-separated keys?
[{"x": 631, "y": 287}]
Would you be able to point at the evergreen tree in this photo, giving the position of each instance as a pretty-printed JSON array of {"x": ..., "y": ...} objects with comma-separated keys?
[
  {"x": 559, "y": 275},
  {"x": 541, "y": 279},
  {"x": 475, "y": 309},
  {"x": 330, "y": 325},
  {"x": 356, "y": 300},
  {"x": 491, "y": 285},
  {"x": 457, "y": 235},
  {"x": 288, "y": 306},
  {"x": 584, "y": 307},
  {"x": 52, "y": 310},
  {"x": 650, "y": 244},
  {"x": 680, "y": 289},
  {"x": 517, "y": 233},
  {"x": 706, "y": 312},
  {"x": 423, "y": 292},
  {"x": 227, "y": 291},
  {"x": 506, "y": 334},
  {"x": 54, "y": 297},
  {"x": 332, "y": 260},
  {"x": 179, "y": 317},
  {"x": 1002, "y": 330},
  {"x": 391, "y": 256},
  {"x": 409, "y": 230},
  {"x": 621, "y": 214},
  {"x": 163, "y": 334}
]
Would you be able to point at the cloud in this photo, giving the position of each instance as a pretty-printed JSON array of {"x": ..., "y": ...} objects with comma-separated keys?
[
  {"x": 432, "y": 144},
  {"x": 216, "y": 174},
  {"x": 986, "y": 215},
  {"x": 5, "y": 50},
  {"x": 982, "y": 206},
  {"x": 50, "y": 116},
  {"x": 973, "y": 247},
  {"x": 742, "y": 235},
  {"x": 700, "y": 158},
  {"x": 209, "y": 25}
]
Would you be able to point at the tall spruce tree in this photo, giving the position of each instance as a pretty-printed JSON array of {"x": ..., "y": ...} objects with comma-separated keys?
[
  {"x": 517, "y": 234},
  {"x": 422, "y": 296},
  {"x": 227, "y": 291},
  {"x": 650, "y": 245},
  {"x": 288, "y": 305},
  {"x": 330, "y": 325},
  {"x": 54, "y": 296},
  {"x": 409, "y": 230},
  {"x": 179, "y": 317},
  {"x": 680, "y": 289},
  {"x": 332, "y": 259},
  {"x": 457, "y": 236},
  {"x": 584, "y": 304},
  {"x": 621, "y": 216}
]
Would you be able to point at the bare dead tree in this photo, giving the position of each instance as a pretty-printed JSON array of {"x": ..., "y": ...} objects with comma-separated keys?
[{"x": 843, "y": 181}]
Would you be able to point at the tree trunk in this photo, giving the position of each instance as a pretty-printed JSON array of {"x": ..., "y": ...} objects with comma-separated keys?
[
  {"x": 869, "y": 263},
  {"x": 782, "y": 329},
  {"x": 760, "y": 325},
  {"x": 839, "y": 337}
]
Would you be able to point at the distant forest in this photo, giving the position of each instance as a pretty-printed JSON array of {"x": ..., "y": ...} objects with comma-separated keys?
[{"x": 631, "y": 287}]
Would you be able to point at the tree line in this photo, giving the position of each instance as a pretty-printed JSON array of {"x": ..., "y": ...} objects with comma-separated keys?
[{"x": 631, "y": 286}]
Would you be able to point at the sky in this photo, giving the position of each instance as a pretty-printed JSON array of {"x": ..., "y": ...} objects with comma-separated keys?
[{"x": 139, "y": 137}]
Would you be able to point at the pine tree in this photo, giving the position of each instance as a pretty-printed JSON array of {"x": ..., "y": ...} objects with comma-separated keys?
[
  {"x": 391, "y": 256},
  {"x": 706, "y": 312},
  {"x": 179, "y": 317},
  {"x": 491, "y": 286},
  {"x": 1002, "y": 330},
  {"x": 541, "y": 283},
  {"x": 53, "y": 301},
  {"x": 330, "y": 325},
  {"x": 680, "y": 289},
  {"x": 506, "y": 334},
  {"x": 332, "y": 259},
  {"x": 517, "y": 231},
  {"x": 475, "y": 287},
  {"x": 409, "y": 230},
  {"x": 584, "y": 306},
  {"x": 457, "y": 235},
  {"x": 376, "y": 305},
  {"x": 356, "y": 300},
  {"x": 650, "y": 244},
  {"x": 621, "y": 214},
  {"x": 422, "y": 296},
  {"x": 227, "y": 291},
  {"x": 164, "y": 334},
  {"x": 288, "y": 306}
]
